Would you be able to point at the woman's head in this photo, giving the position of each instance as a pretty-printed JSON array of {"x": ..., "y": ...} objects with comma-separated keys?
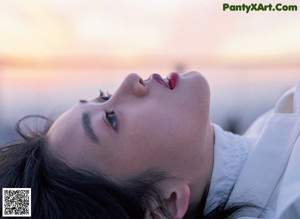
[
  {"x": 144, "y": 125},
  {"x": 154, "y": 126},
  {"x": 144, "y": 128}
]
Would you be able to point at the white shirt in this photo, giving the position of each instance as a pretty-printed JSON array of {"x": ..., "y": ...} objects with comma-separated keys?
[
  {"x": 230, "y": 154},
  {"x": 263, "y": 164}
]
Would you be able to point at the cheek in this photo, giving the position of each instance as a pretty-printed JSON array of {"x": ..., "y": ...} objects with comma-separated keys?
[
  {"x": 152, "y": 136},
  {"x": 162, "y": 127},
  {"x": 144, "y": 149},
  {"x": 138, "y": 150},
  {"x": 133, "y": 158}
]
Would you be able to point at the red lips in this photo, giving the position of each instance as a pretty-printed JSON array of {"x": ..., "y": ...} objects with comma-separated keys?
[
  {"x": 173, "y": 77},
  {"x": 170, "y": 82},
  {"x": 160, "y": 80}
]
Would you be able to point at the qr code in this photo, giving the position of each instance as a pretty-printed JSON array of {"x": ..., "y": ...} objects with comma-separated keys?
[{"x": 16, "y": 202}]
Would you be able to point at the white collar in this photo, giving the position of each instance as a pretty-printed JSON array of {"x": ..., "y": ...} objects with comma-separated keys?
[{"x": 230, "y": 154}]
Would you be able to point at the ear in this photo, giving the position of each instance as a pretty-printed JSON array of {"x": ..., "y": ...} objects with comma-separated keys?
[{"x": 177, "y": 198}]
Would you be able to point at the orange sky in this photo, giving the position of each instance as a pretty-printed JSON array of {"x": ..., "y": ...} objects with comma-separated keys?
[{"x": 47, "y": 33}]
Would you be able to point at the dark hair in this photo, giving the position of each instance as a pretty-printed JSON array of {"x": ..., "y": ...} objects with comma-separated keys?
[{"x": 59, "y": 191}]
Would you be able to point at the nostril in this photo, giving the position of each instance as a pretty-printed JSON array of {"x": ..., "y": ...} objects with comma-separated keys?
[
  {"x": 140, "y": 88},
  {"x": 142, "y": 82}
]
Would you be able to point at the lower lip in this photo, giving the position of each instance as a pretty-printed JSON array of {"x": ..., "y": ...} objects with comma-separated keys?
[{"x": 173, "y": 78}]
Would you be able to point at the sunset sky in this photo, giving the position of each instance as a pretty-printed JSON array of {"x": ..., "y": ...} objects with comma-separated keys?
[{"x": 110, "y": 33}]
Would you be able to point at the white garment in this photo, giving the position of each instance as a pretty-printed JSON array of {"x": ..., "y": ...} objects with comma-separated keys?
[
  {"x": 230, "y": 154},
  {"x": 269, "y": 175}
]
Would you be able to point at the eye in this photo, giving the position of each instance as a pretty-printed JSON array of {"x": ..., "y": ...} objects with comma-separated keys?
[
  {"x": 111, "y": 118},
  {"x": 104, "y": 97},
  {"x": 83, "y": 101}
]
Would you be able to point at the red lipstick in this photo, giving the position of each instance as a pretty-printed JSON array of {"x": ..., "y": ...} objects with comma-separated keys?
[
  {"x": 173, "y": 78},
  {"x": 169, "y": 82},
  {"x": 160, "y": 80}
]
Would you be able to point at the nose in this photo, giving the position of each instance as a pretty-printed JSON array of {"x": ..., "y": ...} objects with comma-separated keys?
[{"x": 133, "y": 84}]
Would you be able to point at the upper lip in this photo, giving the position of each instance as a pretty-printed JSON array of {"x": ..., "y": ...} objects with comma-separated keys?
[{"x": 169, "y": 82}]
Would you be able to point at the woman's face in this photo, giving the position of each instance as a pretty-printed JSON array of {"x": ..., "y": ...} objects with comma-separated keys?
[{"x": 144, "y": 125}]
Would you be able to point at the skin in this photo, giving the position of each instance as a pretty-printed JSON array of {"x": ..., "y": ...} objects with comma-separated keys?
[{"x": 157, "y": 128}]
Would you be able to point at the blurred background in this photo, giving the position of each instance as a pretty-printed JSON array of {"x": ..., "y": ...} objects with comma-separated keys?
[{"x": 54, "y": 52}]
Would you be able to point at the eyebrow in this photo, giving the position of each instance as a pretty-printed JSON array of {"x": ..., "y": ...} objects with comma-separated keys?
[{"x": 86, "y": 123}]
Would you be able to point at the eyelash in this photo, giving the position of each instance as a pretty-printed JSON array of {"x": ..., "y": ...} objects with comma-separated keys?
[
  {"x": 111, "y": 118},
  {"x": 104, "y": 97}
]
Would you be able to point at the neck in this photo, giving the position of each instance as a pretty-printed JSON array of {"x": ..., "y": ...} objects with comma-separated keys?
[{"x": 200, "y": 181}]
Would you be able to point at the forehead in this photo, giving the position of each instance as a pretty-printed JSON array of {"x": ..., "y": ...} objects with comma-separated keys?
[
  {"x": 66, "y": 136},
  {"x": 65, "y": 123}
]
